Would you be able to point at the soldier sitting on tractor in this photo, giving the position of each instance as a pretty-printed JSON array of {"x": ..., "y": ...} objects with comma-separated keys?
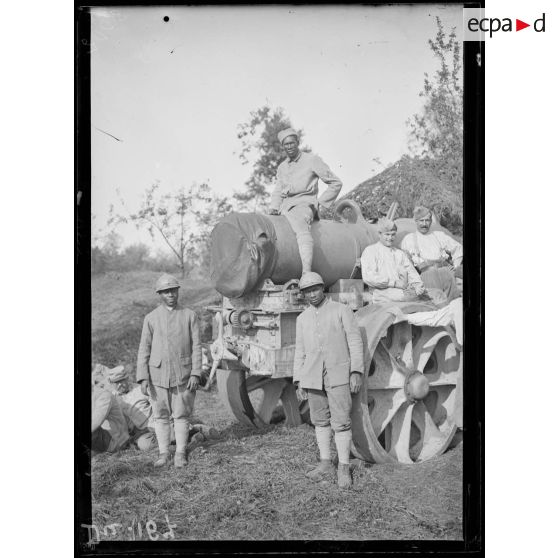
[
  {"x": 436, "y": 255},
  {"x": 388, "y": 270},
  {"x": 295, "y": 195},
  {"x": 393, "y": 278}
]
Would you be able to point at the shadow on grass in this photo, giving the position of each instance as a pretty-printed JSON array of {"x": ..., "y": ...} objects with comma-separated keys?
[{"x": 237, "y": 431}]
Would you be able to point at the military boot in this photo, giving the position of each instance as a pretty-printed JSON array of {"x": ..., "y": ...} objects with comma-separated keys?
[
  {"x": 164, "y": 459},
  {"x": 180, "y": 460},
  {"x": 322, "y": 471},
  {"x": 343, "y": 475}
]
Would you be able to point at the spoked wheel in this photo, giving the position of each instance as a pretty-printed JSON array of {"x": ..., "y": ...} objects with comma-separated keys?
[
  {"x": 411, "y": 402},
  {"x": 254, "y": 400}
]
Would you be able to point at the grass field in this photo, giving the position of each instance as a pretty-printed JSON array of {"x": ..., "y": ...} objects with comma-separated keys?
[{"x": 250, "y": 485}]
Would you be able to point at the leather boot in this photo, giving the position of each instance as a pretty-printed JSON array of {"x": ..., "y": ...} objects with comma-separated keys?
[
  {"x": 343, "y": 475},
  {"x": 322, "y": 471},
  {"x": 164, "y": 459},
  {"x": 179, "y": 460}
]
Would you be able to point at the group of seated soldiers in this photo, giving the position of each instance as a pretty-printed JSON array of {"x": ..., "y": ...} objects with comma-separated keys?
[
  {"x": 427, "y": 267},
  {"x": 122, "y": 416}
]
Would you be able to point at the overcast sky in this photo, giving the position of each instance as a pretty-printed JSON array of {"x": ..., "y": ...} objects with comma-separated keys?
[{"x": 175, "y": 92}]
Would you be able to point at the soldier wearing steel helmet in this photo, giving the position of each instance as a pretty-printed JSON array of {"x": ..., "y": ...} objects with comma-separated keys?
[
  {"x": 169, "y": 363},
  {"x": 328, "y": 367}
]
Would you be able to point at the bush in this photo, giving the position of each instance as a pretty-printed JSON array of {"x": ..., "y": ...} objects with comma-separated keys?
[{"x": 136, "y": 257}]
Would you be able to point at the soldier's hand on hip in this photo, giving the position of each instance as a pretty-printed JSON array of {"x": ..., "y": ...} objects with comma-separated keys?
[
  {"x": 301, "y": 394},
  {"x": 355, "y": 381},
  {"x": 193, "y": 383},
  {"x": 144, "y": 386}
]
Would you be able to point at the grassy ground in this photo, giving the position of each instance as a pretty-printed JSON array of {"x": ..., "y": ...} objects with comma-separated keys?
[
  {"x": 250, "y": 484},
  {"x": 121, "y": 301}
]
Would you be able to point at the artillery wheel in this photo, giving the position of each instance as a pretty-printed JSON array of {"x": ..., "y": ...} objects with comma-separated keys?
[
  {"x": 253, "y": 400},
  {"x": 410, "y": 405}
]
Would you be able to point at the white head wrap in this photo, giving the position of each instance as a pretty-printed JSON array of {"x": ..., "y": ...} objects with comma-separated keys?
[{"x": 284, "y": 134}]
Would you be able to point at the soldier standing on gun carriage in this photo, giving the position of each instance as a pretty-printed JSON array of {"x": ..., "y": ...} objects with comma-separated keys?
[
  {"x": 295, "y": 195},
  {"x": 328, "y": 368}
]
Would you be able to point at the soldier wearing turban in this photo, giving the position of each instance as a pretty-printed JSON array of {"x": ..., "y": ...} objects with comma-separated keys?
[{"x": 295, "y": 194}]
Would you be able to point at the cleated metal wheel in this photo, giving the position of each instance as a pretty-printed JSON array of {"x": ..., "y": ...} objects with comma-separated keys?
[
  {"x": 260, "y": 400},
  {"x": 410, "y": 406}
]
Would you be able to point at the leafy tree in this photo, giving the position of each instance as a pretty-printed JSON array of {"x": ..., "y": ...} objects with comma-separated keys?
[
  {"x": 131, "y": 258},
  {"x": 437, "y": 131},
  {"x": 183, "y": 219},
  {"x": 98, "y": 260},
  {"x": 112, "y": 243},
  {"x": 105, "y": 251},
  {"x": 135, "y": 256},
  {"x": 261, "y": 148}
]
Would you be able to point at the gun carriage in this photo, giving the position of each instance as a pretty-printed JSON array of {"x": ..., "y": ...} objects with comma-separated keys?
[{"x": 410, "y": 405}]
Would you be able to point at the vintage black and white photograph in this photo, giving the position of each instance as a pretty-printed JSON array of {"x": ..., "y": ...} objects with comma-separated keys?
[{"x": 277, "y": 273}]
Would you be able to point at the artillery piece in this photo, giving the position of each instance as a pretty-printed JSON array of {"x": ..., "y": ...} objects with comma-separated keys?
[{"x": 409, "y": 407}]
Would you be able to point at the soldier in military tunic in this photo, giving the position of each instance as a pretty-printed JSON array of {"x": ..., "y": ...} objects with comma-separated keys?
[
  {"x": 296, "y": 193},
  {"x": 328, "y": 368},
  {"x": 169, "y": 364}
]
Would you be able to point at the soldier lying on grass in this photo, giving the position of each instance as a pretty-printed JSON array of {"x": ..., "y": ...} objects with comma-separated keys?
[{"x": 122, "y": 415}]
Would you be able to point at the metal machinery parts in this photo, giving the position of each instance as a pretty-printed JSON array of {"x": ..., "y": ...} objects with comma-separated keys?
[{"x": 410, "y": 405}]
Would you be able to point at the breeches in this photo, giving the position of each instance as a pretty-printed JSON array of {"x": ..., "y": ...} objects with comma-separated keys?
[
  {"x": 177, "y": 402},
  {"x": 331, "y": 405},
  {"x": 300, "y": 218}
]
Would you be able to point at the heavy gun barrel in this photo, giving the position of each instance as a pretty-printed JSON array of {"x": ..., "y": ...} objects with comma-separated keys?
[{"x": 247, "y": 248}]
